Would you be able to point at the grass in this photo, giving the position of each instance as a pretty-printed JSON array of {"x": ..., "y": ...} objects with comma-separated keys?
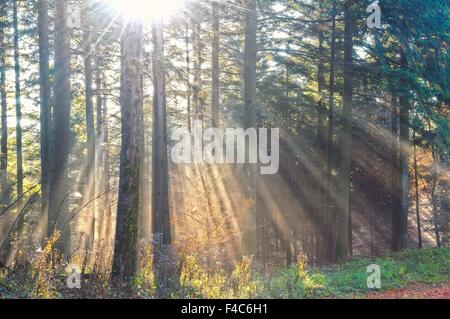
[{"x": 427, "y": 266}]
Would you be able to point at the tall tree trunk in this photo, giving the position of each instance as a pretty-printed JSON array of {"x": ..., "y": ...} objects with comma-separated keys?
[
  {"x": 99, "y": 169},
  {"x": 45, "y": 116},
  {"x": 249, "y": 245},
  {"x": 395, "y": 183},
  {"x": 434, "y": 199},
  {"x": 107, "y": 218},
  {"x": 161, "y": 230},
  {"x": 215, "y": 66},
  {"x": 19, "y": 160},
  {"x": 61, "y": 137},
  {"x": 16, "y": 232},
  {"x": 416, "y": 184},
  {"x": 400, "y": 232},
  {"x": 131, "y": 106},
  {"x": 90, "y": 135},
  {"x": 188, "y": 80},
  {"x": 5, "y": 187},
  {"x": 198, "y": 62},
  {"x": 321, "y": 111},
  {"x": 285, "y": 138},
  {"x": 342, "y": 248},
  {"x": 160, "y": 202},
  {"x": 145, "y": 201},
  {"x": 4, "y": 116},
  {"x": 330, "y": 215}
]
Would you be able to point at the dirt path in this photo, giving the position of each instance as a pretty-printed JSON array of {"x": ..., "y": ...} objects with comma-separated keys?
[{"x": 419, "y": 291}]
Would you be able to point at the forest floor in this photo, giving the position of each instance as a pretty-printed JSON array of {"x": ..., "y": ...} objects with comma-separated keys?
[
  {"x": 418, "y": 291},
  {"x": 412, "y": 274}
]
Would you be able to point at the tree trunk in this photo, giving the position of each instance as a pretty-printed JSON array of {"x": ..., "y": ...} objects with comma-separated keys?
[
  {"x": 434, "y": 199},
  {"x": 107, "y": 218},
  {"x": 249, "y": 245},
  {"x": 160, "y": 202},
  {"x": 19, "y": 160},
  {"x": 330, "y": 215},
  {"x": 4, "y": 198},
  {"x": 215, "y": 66},
  {"x": 198, "y": 62},
  {"x": 400, "y": 232},
  {"x": 17, "y": 230},
  {"x": 188, "y": 80},
  {"x": 161, "y": 229},
  {"x": 90, "y": 135},
  {"x": 61, "y": 137},
  {"x": 342, "y": 248},
  {"x": 321, "y": 110},
  {"x": 5, "y": 187},
  {"x": 395, "y": 183},
  {"x": 45, "y": 116},
  {"x": 416, "y": 184},
  {"x": 131, "y": 106},
  {"x": 99, "y": 169}
]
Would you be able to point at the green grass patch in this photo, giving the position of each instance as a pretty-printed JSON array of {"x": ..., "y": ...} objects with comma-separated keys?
[{"x": 427, "y": 266}]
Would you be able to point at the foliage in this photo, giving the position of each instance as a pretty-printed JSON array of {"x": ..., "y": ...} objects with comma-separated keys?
[{"x": 427, "y": 266}]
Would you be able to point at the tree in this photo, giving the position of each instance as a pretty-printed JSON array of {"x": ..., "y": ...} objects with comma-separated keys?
[
  {"x": 161, "y": 230},
  {"x": 321, "y": 112},
  {"x": 416, "y": 188},
  {"x": 249, "y": 245},
  {"x": 400, "y": 225},
  {"x": 90, "y": 131},
  {"x": 19, "y": 156},
  {"x": 188, "y": 79},
  {"x": 330, "y": 216},
  {"x": 4, "y": 119},
  {"x": 215, "y": 66},
  {"x": 342, "y": 248},
  {"x": 131, "y": 107},
  {"x": 61, "y": 136},
  {"x": 99, "y": 170},
  {"x": 197, "y": 87},
  {"x": 45, "y": 115},
  {"x": 106, "y": 223},
  {"x": 16, "y": 230}
]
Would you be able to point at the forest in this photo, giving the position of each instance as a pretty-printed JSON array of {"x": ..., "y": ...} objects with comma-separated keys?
[{"x": 223, "y": 148}]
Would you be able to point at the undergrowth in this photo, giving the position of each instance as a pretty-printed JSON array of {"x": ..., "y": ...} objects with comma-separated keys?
[{"x": 44, "y": 278}]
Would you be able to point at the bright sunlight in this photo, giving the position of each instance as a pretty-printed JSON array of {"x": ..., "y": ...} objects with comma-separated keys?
[{"x": 146, "y": 10}]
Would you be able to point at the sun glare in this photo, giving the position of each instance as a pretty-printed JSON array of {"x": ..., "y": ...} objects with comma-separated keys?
[{"x": 146, "y": 9}]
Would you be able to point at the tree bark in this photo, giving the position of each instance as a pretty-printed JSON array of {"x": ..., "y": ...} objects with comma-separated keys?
[
  {"x": 400, "y": 233},
  {"x": 188, "y": 80},
  {"x": 395, "y": 183},
  {"x": 215, "y": 66},
  {"x": 330, "y": 215},
  {"x": 5, "y": 187},
  {"x": 198, "y": 62},
  {"x": 107, "y": 212},
  {"x": 19, "y": 156},
  {"x": 321, "y": 111},
  {"x": 4, "y": 110},
  {"x": 160, "y": 202},
  {"x": 131, "y": 106},
  {"x": 249, "y": 244},
  {"x": 45, "y": 115},
  {"x": 342, "y": 248},
  {"x": 161, "y": 226},
  {"x": 90, "y": 135},
  {"x": 99, "y": 169},
  {"x": 416, "y": 184},
  {"x": 61, "y": 137}
]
